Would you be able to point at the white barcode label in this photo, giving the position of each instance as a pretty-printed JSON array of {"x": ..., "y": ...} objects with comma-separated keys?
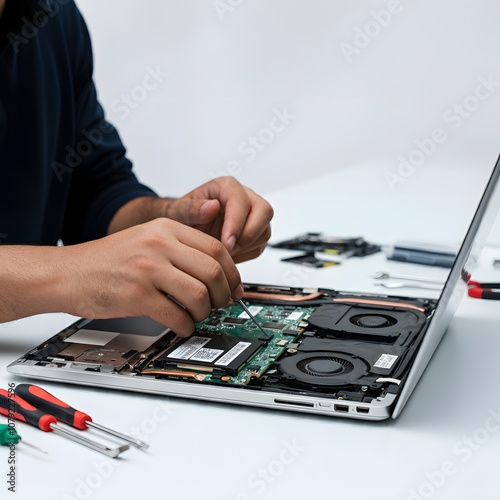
[
  {"x": 186, "y": 350},
  {"x": 233, "y": 353},
  {"x": 295, "y": 316},
  {"x": 205, "y": 354},
  {"x": 253, "y": 311},
  {"x": 385, "y": 361}
]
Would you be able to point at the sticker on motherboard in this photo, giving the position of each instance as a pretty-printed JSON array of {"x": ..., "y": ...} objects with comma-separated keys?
[
  {"x": 205, "y": 354},
  {"x": 253, "y": 311},
  {"x": 385, "y": 361},
  {"x": 294, "y": 316},
  {"x": 233, "y": 353},
  {"x": 190, "y": 347}
]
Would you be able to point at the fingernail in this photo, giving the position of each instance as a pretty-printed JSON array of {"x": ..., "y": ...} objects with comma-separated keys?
[
  {"x": 239, "y": 291},
  {"x": 231, "y": 242},
  {"x": 235, "y": 249},
  {"x": 204, "y": 208}
]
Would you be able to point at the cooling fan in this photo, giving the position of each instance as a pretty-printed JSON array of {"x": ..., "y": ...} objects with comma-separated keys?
[
  {"x": 323, "y": 368},
  {"x": 367, "y": 323}
]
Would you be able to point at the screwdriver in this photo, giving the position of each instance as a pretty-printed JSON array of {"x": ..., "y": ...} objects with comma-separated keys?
[
  {"x": 42, "y": 399},
  {"x": 9, "y": 437},
  {"x": 252, "y": 317},
  {"x": 19, "y": 409}
]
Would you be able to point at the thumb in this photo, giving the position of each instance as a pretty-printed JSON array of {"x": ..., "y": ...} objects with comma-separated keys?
[{"x": 193, "y": 211}]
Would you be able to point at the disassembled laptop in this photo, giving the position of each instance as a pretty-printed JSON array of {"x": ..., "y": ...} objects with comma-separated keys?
[{"x": 342, "y": 347}]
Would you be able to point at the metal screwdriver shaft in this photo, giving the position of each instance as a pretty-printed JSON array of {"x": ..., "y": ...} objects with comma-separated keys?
[
  {"x": 34, "y": 447},
  {"x": 252, "y": 317},
  {"x": 133, "y": 441},
  {"x": 79, "y": 438},
  {"x": 9, "y": 437}
]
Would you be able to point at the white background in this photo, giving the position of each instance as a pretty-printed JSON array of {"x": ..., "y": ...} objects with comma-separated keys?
[{"x": 225, "y": 77}]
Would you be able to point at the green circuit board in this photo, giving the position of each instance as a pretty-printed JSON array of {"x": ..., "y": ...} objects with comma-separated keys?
[
  {"x": 281, "y": 324},
  {"x": 266, "y": 315}
]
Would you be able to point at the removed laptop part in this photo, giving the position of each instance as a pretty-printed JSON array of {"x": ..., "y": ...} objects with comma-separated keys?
[
  {"x": 311, "y": 259},
  {"x": 426, "y": 254},
  {"x": 316, "y": 242}
]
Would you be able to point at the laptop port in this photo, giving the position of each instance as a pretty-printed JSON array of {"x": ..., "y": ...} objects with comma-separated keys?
[
  {"x": 341, "y": 408},
  {"x": 362, "y": 409},
  {"x": 294, "y": 403}
]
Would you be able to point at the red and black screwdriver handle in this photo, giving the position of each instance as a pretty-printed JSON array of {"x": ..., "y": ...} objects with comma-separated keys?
[
  {"x": 489, "y": 291},
  {"x": 47, "y": 402},
  {"x": 14, "y": 406}
]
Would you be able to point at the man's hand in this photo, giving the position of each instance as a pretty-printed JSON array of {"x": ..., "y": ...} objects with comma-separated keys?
[
  {"x": 163, "y": 269},
  {"x": 221, "y": 208},
  {"x": 228, "y": 211}
]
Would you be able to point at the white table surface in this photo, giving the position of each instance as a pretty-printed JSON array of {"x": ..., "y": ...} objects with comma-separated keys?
[{"x": 215, "y": 451}]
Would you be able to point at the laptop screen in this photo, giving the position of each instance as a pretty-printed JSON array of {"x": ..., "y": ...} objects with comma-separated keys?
[{"x": 456, "y": 283}]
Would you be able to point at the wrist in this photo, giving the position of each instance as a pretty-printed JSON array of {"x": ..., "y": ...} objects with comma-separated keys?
[{"x": 138, "y": 211}]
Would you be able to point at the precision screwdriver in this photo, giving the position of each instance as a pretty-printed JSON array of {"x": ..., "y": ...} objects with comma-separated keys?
[
  {"x": 19, "y": 409},
  {"x": 9, "y": 437},
  {"x": 251, "y": 316},
  {"x": 42, "y": 399}
]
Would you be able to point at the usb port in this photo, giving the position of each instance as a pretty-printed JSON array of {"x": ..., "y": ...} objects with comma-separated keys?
[
  {"x": 362, "y": 409},
  {"x": 341, "y": 408}
]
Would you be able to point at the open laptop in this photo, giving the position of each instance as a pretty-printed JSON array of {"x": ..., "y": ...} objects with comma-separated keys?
[{"x": 323, "y": 351}]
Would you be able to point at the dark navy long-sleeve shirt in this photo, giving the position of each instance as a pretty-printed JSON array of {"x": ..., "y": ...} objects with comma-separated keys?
[{"x": 63, "y": 170}]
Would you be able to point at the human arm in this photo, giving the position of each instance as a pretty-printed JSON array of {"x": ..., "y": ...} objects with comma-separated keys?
[{"x": 162, "y": 269}]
